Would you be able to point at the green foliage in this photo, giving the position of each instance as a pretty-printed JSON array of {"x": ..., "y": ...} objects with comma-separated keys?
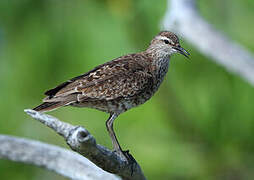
[{"x": 200, "y": 125}]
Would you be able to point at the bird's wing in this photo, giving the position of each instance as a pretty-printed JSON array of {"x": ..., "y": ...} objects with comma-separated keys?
[{"x": 122, "y": 77}]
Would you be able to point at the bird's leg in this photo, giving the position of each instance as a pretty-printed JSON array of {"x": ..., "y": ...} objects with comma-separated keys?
[
  {"x": 111, "y": 132},
  {"x": 116, "y": 145}
]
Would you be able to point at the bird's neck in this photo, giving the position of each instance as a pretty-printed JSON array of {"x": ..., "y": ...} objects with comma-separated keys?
[
  {"x": 160, "y": 64},
  {"x": 160, "y": 58}
]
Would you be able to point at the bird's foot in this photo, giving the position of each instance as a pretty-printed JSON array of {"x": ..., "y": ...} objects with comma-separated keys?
[{"x": 130, "y": 159}]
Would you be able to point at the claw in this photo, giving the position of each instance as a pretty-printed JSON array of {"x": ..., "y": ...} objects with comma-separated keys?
[
  {"x": 131, "y": 161},
  {"x": 129, "y": 157}
]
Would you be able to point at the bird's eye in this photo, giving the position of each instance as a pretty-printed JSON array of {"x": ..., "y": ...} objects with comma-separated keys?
[{"x": 166, "y": 41}]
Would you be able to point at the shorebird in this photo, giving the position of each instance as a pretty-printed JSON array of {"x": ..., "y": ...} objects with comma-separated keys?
[{"x": 118, "y": 85}]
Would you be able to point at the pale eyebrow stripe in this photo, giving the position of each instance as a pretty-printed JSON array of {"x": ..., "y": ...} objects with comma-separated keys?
[{"x": 163, "y": 38}]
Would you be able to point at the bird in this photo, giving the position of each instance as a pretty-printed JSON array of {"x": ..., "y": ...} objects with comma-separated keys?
[{"x": 118, "y": 85}]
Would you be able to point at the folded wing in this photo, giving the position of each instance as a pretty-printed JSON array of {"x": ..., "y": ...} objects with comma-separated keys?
[{"x": 121, "y": 78}]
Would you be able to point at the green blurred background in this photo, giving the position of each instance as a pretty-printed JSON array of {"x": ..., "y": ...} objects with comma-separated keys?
[{"x": 200, "y": 124}]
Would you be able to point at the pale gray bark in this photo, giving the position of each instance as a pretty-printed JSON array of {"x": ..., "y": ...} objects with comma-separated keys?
[
  {"x": 62, "y": 161},
  {"x": 182, "y": 17},
  {"x": 68, "y": 163}
]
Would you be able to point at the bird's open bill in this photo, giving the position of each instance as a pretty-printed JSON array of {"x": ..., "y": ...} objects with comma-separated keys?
[{"x": 182, "y": 51}]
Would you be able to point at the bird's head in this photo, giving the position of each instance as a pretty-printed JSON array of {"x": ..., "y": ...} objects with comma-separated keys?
[{"x": 167, "y": 43}]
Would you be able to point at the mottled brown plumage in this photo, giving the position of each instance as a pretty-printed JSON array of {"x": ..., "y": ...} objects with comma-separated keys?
[{"x": 118, "y": 85}]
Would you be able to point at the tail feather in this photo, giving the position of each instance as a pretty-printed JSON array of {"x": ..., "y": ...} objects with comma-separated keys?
[{"x": 49, "y": 106}]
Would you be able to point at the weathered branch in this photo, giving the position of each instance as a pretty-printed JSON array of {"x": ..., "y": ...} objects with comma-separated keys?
[
  {"x": 81, "y": 141},
  {"x": 183, "y": 18},
  {"x": 62, "y": 161}
]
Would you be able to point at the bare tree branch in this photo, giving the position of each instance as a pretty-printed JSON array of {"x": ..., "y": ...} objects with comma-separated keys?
[
  {"x": 62, "y": 161},
  {"x": 183, "y": 18},
  {"x": 81, "y": 141}
]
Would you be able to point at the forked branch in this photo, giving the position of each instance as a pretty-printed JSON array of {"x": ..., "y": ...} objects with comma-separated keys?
[
  {"x": 65, "y": 162},
  {"x": 81, "y": 141}
]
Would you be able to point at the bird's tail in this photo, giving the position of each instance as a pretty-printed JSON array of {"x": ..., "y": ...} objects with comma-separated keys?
[{"x": 49, "y": 106}]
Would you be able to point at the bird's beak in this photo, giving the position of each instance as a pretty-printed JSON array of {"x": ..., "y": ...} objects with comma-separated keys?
[{"x": 182, "y": 51}]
